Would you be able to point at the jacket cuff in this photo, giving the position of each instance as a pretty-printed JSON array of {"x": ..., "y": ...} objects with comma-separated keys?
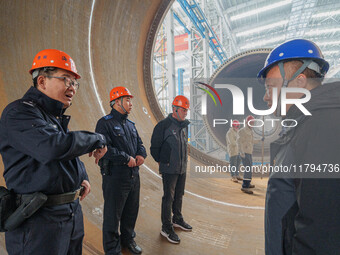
[
  {"x": 102, "y": 141},
  {"x": 128, "y": 159}
]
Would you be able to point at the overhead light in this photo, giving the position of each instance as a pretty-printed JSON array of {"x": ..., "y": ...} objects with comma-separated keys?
[
  {"x": 333, "y": 71},
  {"x": 330, "y": 52},
  {"x": 262, "y": 28},
  {"x": 326, "y": 14},
  {"x": 323, "y": 31},
  {"x": 262, "y": 42},
  {"x": 329, "y": 43},
  {"x": 259, "y": 10}
]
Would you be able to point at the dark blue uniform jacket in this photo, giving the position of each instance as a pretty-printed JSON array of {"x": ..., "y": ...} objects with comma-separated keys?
[
  {"x": 123, "y": 141},
  {"x": 38, "y": 151}
]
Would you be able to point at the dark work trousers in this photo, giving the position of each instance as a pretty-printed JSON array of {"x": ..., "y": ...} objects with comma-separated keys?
[
  {"x": 235, "y": 165},
  {"x": 247, "y": 165},
  {"x": 173, "y": 188},
  {"x": 121, "y": 204},
  {"x": 54, "y": 230}
]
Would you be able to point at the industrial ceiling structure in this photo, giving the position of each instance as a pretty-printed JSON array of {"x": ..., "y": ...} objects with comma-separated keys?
[
  {"x": 242, "y": 25},
  {"x": 198, "y": 36},
  {"x": 259, "y": 23}
]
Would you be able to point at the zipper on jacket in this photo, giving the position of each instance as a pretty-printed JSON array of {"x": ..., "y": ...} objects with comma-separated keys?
[{"x": 181, "y": 146}]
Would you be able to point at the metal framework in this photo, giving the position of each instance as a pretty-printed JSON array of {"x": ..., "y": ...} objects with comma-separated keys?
[
  {"x": 202, "y": 25},
  {"x": 205, "y": 54},
  {"x": 202, "y": 37},
  {"x": 216, "y": 29}
]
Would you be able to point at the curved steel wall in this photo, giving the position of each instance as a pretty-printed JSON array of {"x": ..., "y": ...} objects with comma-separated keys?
[{"x": 111, "y": 43}]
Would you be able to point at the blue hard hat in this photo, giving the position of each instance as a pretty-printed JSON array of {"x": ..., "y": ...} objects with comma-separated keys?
[{"x": 297, "y": 49}]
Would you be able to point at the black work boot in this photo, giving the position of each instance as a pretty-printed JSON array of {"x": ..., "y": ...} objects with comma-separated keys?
[
  {"x": 133, "y": 247},
  {"x": 247, "y": 190}
]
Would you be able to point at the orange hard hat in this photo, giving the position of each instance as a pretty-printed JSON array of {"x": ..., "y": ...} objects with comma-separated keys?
[
  {"x": 54, "y": 58},
  {"x": 181, "y": 101},
  {"x": 118, "y": 92},
  {"x": 249, "y": 118},
  {"x": 236, "y": 123}
]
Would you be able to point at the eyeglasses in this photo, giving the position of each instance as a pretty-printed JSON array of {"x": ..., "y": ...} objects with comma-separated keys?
[{"x": 68, "y": 81}]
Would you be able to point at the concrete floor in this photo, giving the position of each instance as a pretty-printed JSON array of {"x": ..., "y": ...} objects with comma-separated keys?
[{"x": 107, "y": 41}]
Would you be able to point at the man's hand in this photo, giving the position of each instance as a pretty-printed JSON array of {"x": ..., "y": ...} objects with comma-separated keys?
[
  {"x": 139, "y": 160},
  {"x": 87, "y": 189},
  {"x": 98, "y": 154},
  {"x": 132, "y": 162},
  {"x": 242, "y": 154}
]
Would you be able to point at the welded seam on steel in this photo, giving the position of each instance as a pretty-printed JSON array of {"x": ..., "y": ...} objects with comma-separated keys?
[{"x": 90, "y": 61}]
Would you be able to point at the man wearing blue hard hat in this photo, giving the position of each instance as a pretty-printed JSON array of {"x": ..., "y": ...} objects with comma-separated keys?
[{"x": 302, "y": 206}]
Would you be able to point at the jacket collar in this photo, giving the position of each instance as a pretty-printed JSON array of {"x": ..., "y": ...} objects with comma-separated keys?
[
  {"x": 248, "y": 128},
  {"x": 323, "y": 96},
  {"x": 182, "y": 124},
  {"x": 118, "y": 116},
  {"x": 48, "y": 104}
]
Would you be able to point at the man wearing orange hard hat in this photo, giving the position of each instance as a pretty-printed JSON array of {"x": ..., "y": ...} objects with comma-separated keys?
[
  {"x": 43, "y": 171},
  {"x": 169, "y": 147},
  {"x": 120, "y": 173}
]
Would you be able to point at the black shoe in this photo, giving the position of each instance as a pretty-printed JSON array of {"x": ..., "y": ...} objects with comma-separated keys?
[
  {"x": 134, "y": 248},
  {"x": 182, "y": 224},
  {"x": 170, "y": 235},
  {"x": 234, "y": 179},
  {"x": 247, "y": 190}
]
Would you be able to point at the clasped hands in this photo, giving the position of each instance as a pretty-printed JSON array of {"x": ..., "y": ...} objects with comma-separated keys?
[{"x": 139, "y": 160}]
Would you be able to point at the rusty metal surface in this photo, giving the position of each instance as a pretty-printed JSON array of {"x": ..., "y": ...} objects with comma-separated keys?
[{"x": 112, "y": 51}]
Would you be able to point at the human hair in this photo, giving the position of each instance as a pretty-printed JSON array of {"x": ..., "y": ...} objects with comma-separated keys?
[
  {"x": 112, "y": 103},
  {"x": 45, "y": 71},
  {"x": 314, "y": 78}
]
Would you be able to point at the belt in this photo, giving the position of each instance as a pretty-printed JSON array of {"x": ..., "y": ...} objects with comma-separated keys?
[{"x": 59, "y": 199}]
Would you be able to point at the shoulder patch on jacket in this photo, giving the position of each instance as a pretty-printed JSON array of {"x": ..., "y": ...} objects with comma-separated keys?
[
  {"x": 107, "y": 117},
  {"x": 30, "y": 103}
]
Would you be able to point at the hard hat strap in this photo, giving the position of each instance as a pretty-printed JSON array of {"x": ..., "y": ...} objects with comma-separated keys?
[
  {"x": 306, "y": 63},
  {"x": 121, "y": 105},
  {"x": 178, "y": 118},
  {"x": 112, "y": 103}
]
